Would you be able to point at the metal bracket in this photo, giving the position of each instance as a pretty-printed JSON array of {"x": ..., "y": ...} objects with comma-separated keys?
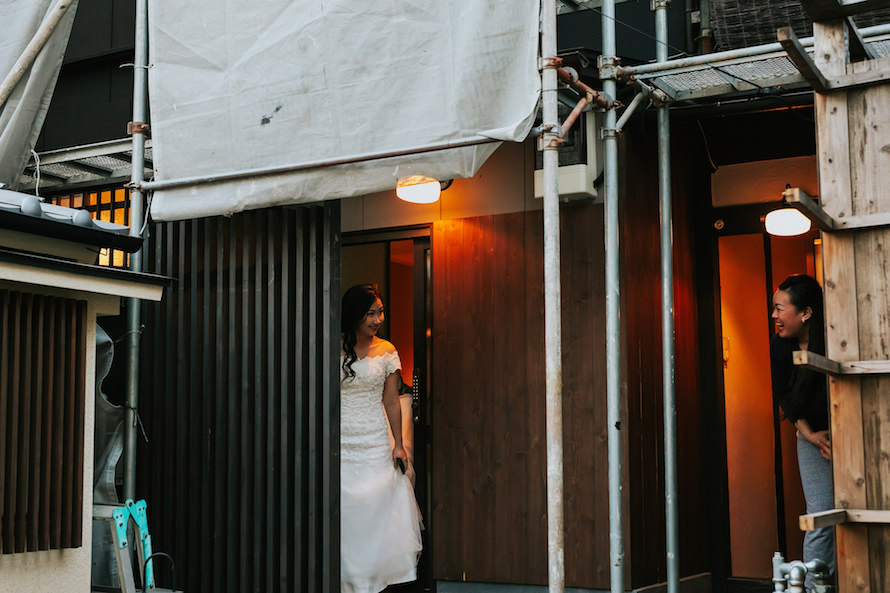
[
  {"x": 137, "y": 127},
  {"x": 608, "y": 67},
  {"x": 659, "y": 4}
]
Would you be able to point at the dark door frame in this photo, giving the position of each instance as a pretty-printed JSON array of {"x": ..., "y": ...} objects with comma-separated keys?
[{"x": 422, "y": 315}]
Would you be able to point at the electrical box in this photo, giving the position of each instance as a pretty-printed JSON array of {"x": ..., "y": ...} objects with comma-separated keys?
[{"x": 580, "y": 160}]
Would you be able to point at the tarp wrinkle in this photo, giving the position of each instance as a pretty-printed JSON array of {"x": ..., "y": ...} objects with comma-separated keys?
[{"x": 258, "y": 85}]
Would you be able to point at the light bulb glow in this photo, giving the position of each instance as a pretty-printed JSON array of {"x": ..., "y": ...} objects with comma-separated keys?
[
  {"x": 786, "y": 222},
  {"x": 418, "y": 189}
]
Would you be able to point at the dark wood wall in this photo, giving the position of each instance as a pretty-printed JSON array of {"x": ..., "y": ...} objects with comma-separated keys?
[
  {"x": 240, "y": 401},
  {"x": 693, "y": 358},
  {"x": 489, "y": 518}
]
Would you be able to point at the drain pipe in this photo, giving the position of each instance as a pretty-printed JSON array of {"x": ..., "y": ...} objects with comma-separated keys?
[
  {"x": 790, "y": 576},
  {"x": 667, "y": 313},
  {"x": 550, "y": 141},
  {"x": 137, "y": 128},
  {"x": 609, "y": 75}
]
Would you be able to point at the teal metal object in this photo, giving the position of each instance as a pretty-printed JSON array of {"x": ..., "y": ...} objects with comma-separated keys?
[
  {"x": 138, "y": 511},
  {"x": 121, "y": 519}
]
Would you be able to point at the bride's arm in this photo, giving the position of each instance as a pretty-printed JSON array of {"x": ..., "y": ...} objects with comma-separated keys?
[{"x": 394, "y": 415}]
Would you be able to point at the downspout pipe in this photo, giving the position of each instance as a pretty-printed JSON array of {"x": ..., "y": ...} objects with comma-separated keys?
[
  {"x": 667, "y": 314},
  {"x": 137, "y": 128},
  {"x": 550, "y": 141},
  {"x": 609, "y": 75}
]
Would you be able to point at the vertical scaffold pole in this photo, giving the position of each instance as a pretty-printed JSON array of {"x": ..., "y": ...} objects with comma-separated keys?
[
  {"x": 667, "y": 314},
  {"x": 608, "y": 74},
  {"x": 134, "y": 333},
  {"x": 550, "y": 141}
]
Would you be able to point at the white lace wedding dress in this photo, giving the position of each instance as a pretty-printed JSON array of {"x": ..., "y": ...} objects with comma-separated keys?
[{"x": 379, "y": 518}]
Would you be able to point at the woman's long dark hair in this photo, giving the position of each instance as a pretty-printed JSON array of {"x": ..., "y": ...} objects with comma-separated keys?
[
  {"x": 803, "y": 291},
  {"x": 355, "y": 305}
]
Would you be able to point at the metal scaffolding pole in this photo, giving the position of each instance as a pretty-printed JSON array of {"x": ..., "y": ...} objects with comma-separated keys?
[
  {"x": 550, "y": 141},
  {"x": 134, "y": 330},
  {"x": 667, "y": 314},
  {"x": 608, "y": 74}
]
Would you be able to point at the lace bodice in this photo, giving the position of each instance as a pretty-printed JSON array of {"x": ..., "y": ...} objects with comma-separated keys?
[{"x": 363, "y": 431}]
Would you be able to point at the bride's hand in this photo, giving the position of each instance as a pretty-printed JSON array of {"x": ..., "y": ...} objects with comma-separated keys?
[
  {"x": 409, "y": 471},
  {"x": 399, "y": 453}
]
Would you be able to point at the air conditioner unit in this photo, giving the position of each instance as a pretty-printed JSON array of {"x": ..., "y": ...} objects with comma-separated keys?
[{"x": 580, "y": 160}]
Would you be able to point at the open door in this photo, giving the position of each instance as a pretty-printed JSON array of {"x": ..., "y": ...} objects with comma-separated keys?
[
  {"x": 763, "y": 483},
  {"x": 399, "y": 263}
]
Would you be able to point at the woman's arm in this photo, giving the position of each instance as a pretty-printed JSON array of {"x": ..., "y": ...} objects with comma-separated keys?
[
  {"x": 408, "y": 435},
  {"x": 394, "y": 415}
]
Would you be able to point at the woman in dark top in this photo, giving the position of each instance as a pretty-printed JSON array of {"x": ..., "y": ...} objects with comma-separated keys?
[{"x": 800, "y": 325}]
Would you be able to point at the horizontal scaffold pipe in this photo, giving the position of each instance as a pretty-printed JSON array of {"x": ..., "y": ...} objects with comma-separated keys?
[
  {"x": 630, "y": 72},
  {"x": 357, "y": 158}
]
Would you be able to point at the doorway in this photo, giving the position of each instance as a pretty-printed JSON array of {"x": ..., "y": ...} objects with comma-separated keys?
[
  {"x": 399, "y": 264},
  {"x": 763, "y": 483}
]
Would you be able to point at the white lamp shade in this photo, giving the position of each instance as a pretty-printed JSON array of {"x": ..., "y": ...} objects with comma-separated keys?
[
  {"x": 418, "y": 189},
  {"x": 786, "y": 222}
]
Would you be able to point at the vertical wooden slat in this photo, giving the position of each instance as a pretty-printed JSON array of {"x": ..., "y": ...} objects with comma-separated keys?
[
  {"x": 12, "y": 448},
  {"x": 24, "y": 422},
  {"x": 79, "y": 347},
  {"x": 5, "y": 360},
  {"x": 68, "y": 486},
  {"x": 259, "y": 416},
  {"x": 300, "y": 521},
  {"x": 49, "y": 427},
  {"x": 36, "y": 422}
]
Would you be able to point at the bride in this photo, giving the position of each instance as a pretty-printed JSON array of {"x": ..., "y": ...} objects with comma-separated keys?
[{"x": 379, "y": 518}]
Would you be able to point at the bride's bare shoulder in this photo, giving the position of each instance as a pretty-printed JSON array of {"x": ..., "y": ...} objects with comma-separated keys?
[{"x": 381, "y": 346}]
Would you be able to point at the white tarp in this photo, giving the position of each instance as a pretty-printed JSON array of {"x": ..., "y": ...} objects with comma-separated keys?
[
  {"x": 238, "y": 85},
  {"x": 22, "y": 114}
]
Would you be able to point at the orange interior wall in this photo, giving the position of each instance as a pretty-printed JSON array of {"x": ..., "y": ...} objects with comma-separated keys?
[
  {"x": 401, "y": 308},
  {"x": 748, "y": 400}
]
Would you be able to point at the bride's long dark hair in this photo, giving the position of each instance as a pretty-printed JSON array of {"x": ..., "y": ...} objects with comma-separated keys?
[{"x": 355, "y": 305}]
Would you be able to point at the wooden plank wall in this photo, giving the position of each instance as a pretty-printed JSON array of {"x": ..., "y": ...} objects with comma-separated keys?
[
  {"x": 240, "y": 401},
  {"x": 641, "y": 315},
  {"x": 853, "y": 130},
  {"x": 42, "y": 406},
  {"x": 489, "y": 521}
]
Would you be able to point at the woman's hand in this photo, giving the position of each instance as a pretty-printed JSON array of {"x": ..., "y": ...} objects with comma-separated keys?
[
  {"x": 822, "y": 440},
  {"x": 398, "y": 452},
  {"x": 409, "y": 471}
]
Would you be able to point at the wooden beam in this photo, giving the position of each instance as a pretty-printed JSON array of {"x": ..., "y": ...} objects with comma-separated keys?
[
  {"x": 840, "y": 516},
  {"x": 801, "y": 59},
  {"x": 796, "y": 198},
  {"x": 859, "y": 50},
  {"x": 826, "y": 10},
  {"x": 819, "y": 363},
  {"x": 823, "y": 519}
]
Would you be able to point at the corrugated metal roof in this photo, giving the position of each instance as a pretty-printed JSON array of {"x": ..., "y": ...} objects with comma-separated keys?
[{"x": 103, "y": 163}]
